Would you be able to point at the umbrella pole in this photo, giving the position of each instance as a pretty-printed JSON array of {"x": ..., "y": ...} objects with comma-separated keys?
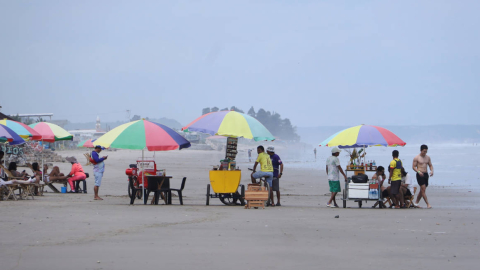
[{"x": 143, "y": 181}]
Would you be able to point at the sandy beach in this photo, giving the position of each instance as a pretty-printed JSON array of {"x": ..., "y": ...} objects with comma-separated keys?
[{"x": 72, "y": 231}]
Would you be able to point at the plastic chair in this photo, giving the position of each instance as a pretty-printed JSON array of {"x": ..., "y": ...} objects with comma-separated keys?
[{"x": 179, "y": 191}]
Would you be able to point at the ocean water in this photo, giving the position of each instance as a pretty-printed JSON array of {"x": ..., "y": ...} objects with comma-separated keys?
[{"x": 455, "y": 165}]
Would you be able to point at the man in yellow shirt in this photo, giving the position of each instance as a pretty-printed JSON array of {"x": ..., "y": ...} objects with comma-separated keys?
[
  {"x": 266, "y": 168},
  {"x": 395, "y": 179}
]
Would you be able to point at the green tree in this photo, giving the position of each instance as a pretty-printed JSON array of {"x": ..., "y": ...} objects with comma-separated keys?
[
  {"x": 214, "y": 109},
  {"x": 205, "y": 110},
  {"x": 251, "y": 112},
  {"x": 224, "y": 109},
  {"x": 233, "y": 108}
]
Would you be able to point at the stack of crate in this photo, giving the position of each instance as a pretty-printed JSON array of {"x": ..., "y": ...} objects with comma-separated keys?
[{"x": 256, "y": 196}]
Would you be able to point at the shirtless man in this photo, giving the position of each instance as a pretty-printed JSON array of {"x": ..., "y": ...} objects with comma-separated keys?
[{"x": 420, "y": 163}]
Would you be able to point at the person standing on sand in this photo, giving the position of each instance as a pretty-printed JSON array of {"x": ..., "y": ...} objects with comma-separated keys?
[
  {"x": 277, "y": 172},
  {"x": 249, "y": 155},
  {"x": 315, "y": 153},
  {"x": 420, "y": 163},
  {"x": 98, "y": 169},
  {"x": 333, "y": 168},
  {"x": 266, "y": 169},
  {"x": 395, "y": 179}
]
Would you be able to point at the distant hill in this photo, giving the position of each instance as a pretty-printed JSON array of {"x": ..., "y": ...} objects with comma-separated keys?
[
  {"x": 410, "y": 134},
  {"x": 171, "y": 123}
]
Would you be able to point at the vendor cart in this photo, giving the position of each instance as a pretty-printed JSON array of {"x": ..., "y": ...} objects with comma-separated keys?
[
  {"x": 136, "y": 177},
  {"x": 359, "y": 192},
  {"x": 225, "y": 180}
]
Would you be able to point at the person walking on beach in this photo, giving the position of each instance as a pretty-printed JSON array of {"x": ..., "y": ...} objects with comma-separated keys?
[
  {"x": 249, "y": 155},
  {"x": 315, "y": 153},
  {"x": 333, "y": 169},
  {"x": 420, "y": 163},
  {"x": 266, "y": 168},
  {"x": 98, "y": 169},
  {"x": 395, "y": 179},
  {"x": 277, "y": 173}
]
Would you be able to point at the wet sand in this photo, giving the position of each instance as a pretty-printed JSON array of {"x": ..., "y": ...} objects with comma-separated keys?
[{"x": 72, "y": 231}]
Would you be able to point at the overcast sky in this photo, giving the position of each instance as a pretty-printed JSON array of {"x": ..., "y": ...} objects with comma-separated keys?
[{"x": 315, "y": 62}]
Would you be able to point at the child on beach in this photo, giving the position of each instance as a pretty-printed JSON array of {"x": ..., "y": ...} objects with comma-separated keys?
[{"x": 333, "y": 168}]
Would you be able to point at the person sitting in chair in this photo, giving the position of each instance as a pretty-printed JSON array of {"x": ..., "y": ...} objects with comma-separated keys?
[
  {"x": 12, "y": 167},
  {"x": 407, "y": 187},
  {"x": 56, "y": 175},
  {"x": 76, "y": 174},
  {"x": 380, "y": 177}
]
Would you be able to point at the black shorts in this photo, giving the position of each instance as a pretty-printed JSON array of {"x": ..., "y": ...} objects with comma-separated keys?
[
  {"x": 395, "y": 187},
  {"x": 408, "y": 193},
  {"x": 422, "y": 180},
  {"x": 276, "y": 184},
  {"x": 385, "y": 193}
]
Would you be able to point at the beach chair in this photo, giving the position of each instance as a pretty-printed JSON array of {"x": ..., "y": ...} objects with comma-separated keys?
[
  {"x": 179, "y": 191},
  {"x": 87, "y": 156},
  {"x": 9, "y": 192},
  {"x": 25, "y": 190}
]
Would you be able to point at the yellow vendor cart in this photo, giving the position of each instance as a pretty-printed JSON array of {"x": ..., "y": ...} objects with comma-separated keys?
[{"x": 224, "y": 185}]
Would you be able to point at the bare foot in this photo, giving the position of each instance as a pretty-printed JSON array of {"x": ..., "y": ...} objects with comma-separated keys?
[
  {"x": 429, "y": 206},
  {"x": 98, "y": 198}
]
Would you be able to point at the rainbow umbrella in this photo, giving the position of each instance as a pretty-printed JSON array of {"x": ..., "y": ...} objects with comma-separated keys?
[
  {"x": 143, "y": 134},
  {"x": 230, "y": 124},
  {"x": 22, "y": 130},
  {"x": 51, "y": 132},
  {"x": 8, "y": 135},
  {"x": 86, "y": 143},
  {"x": 363, "y": 136}
]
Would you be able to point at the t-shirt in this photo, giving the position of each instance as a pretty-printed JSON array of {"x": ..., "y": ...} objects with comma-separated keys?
[
  {"x": 333, "y": 171},
  {"x": 408, "y": 181},
  {"x": 397, "y": 172},
  {"x": 276, "y": 161},
  {"x": 265, "y": 162}
]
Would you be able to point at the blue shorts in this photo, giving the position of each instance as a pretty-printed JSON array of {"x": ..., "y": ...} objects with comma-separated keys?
[
  {"x": 268, "y": 176},
  {"x": 98, "y": 178}
]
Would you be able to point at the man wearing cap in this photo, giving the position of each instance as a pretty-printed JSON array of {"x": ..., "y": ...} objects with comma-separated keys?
[
  {"x": 333, "y": 168},
  {"x": 76, "y": 174},
  {"x": 277, "y": 173},
  {"x": 98, "y": 169},
  {"x": 266, "y": 168}
]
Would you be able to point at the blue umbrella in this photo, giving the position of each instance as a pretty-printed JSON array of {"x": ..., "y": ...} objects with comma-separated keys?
[{"x": 8, "y": 135}]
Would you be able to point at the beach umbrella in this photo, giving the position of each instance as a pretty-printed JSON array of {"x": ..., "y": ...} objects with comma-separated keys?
[
  {"x": 51, "y": 132},
  {"x": 141, "y": 135},
  {"x": 230, "y": 124},
  {"x": 86, "y": 143},
  {"x": 363, "y": 136},
  {"x": 21, "y": 129},
  {"x": 7, "y": 135}
]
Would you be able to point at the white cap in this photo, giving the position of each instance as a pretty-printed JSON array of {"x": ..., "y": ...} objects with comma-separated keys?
[
  {"x": 271, "y": 149},
  {"x": 336, "y": 150}
]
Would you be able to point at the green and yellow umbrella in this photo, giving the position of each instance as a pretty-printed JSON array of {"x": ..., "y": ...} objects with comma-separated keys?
[{"x": 51, "y": 132}]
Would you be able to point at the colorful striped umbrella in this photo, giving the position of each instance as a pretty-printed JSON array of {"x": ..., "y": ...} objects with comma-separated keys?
[
  {"x": 51, "y": 132},
  {"x": 143, "y": 134},
  {"x": 363, "y": 136},
  {"x": 8, "y": 135},
  {"x": 86, "y": 143},
  {"x": 21, "y": 129},
  {"x": 230, "y": 124}
]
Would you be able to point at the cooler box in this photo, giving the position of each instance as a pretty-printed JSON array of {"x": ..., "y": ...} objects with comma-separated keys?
[{"x": 358, "y": 191}]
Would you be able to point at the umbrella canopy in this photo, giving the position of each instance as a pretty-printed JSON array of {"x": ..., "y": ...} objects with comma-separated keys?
[
  {"x": 143, "y": 134},
  {"x": 363, "y": 136},
  {"x": 230, "y": 124},
  {"x": 86, "y": 143},
  {"x": 21, "y": 129},
  {"x": 8, "y": 135},
  {"x": 51, "y": 132}
]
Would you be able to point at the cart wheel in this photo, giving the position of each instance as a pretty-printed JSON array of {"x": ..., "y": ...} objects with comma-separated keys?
[
  {"x": 208, "y": 195},
  {"x": 228, "y": 199},
  {"x": 129, "y": 190},
  {"x": 242, "y": 195},
  {"x": 359, "y": 204}
]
